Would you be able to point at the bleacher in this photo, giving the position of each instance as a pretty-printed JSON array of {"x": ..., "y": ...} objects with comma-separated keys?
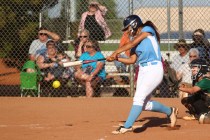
[{"x": 118, "y": 78}]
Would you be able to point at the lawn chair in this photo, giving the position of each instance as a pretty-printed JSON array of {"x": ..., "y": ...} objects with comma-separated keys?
[{"x": 30, "y": 77}]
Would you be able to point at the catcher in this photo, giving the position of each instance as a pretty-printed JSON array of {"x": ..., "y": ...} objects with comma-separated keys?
[{"x": 198, "y": 102}]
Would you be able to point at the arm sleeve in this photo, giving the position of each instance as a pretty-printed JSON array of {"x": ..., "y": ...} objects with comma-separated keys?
[
  {"x": 31, "y": 48},
  {"x": 203, "y": 84}
]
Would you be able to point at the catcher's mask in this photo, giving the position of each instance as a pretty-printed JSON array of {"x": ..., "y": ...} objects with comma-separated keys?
[
  {"x": 133, "y": 21},
  {"x": 202, "y": 68}
]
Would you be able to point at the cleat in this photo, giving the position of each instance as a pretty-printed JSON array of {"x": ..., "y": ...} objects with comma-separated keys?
[
  {"x": 204, "y": 118},
  {"x": 173, "y": 116},
  {"x": 122, "y": 130},
  {"x": 189, "y": 118}
]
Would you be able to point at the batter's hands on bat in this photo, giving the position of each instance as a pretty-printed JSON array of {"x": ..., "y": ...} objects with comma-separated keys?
[{"x": 112, "y": 57}]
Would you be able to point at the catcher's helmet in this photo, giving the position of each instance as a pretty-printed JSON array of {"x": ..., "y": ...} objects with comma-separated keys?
[
  {"x": 134, "y": 21},
  {"x": 203, "y": 68}
]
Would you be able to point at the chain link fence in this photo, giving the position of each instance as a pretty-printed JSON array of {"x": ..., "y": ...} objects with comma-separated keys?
[{"x": 21, "y": 19}]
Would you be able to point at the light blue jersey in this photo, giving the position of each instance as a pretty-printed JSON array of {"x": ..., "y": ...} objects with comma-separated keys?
[
  {"x": 148, "y": 50},
  {"x": 98, "y": 55}
]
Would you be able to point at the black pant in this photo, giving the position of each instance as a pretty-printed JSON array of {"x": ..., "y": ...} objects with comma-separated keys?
[{"x": 196, "y": 104}]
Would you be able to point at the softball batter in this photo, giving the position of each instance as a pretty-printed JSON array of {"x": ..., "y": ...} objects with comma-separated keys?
[{"x": 145, "y": 51}]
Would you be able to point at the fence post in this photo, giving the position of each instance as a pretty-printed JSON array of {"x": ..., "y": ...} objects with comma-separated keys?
[
  {"x": 131, "y": 66},
  {"x": 40, "y": 19},
  {"x": 181, "y": 35}
]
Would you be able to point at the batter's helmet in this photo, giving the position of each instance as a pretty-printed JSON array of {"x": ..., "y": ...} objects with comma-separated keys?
[
  {"x": 134, "y": 21},
  {"x": 203, "y": 68}
]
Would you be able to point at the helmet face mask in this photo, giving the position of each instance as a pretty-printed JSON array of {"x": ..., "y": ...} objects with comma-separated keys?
[
  {"x": 196, "y": 74},
  {"x": 132, "y": 21},
  {"x": 199, "y": 68}
]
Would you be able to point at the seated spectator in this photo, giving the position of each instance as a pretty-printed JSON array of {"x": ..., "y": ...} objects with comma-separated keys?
[
  {"x": 184, "y": 72},
  {"x": 93, "y": 20},
  {"x": 92, "y": 74},
  {"x": 121, "y": 67},
  {"x": 202, "y": 44},
  {"x": 38, "y": 46},
  {"x": 182, "y": 57},
  {"x": 60, "y": 59},
  {"x": 79, "y": 44},
  {"x": 46, "y": 61},
  {"x": 198, "y": 102}
]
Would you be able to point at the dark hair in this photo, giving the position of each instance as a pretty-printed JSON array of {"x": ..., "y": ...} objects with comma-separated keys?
[
  {"x": 42, "y": 28},
  {"x": 61, "y": 52},
  {"x": 151, "y": 24},
  {"x": 200, "y": 31},
  {"x": 51, "y": 42},
  {"x": 95, "y": 44}
]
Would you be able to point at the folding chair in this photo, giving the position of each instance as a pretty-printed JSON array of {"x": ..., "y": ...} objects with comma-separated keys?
[{"x": 30, "y": 79}]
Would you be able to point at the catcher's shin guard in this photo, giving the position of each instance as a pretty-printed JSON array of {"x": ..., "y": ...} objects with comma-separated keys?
[{"x": 189, "y": 106}]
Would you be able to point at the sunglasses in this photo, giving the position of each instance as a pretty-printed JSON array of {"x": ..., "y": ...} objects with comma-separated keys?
[
  {"x": 192, "y": 56},
  {"x": 82, "y": 36},
  {"x": 180, "y": 46},
  {"x": 42, "y": 34}
]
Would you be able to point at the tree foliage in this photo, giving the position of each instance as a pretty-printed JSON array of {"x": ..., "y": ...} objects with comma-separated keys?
[{"x": 19, "y": 19}]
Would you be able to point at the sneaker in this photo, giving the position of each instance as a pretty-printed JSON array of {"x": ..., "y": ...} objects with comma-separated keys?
[
  {"x": 173, "y": 116},
  {"x": 122, "y": 130},
  {"x": 204, "y": 118},
  {"x": 189, "y": 118}
]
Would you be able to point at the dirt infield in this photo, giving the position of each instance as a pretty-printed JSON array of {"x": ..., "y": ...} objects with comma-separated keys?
[
  {"x": 8, "y": 75},
  {"x": 88, "y": 119}
]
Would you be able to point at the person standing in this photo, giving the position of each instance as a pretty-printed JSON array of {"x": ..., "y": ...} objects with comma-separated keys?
[
  {"x": 146, "y": 52},
  {"x": 183, "y": 57},
  {"x": 201, "y": 43},
  {"x": 121, "y": 67},
  {"x": 184, "y": 72},
  {"x": 38, "y": 46},
  {"x": 93, "y": 20}
]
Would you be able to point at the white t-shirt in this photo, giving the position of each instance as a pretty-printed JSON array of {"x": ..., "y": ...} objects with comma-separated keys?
[
  {"x": 37, "y": 47},
  {"x": 186, "y": 73},
  {"x": 178, "y": 61}
]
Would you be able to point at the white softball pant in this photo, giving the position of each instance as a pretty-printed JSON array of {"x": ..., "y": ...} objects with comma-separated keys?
[{"x": 149, "y": 77}]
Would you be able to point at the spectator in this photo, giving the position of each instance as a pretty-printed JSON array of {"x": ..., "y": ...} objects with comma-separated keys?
[
  {"x": 60, "y": 59},
  {"x": 79, "y": 44},
  {"x": 91, "y": 74},
  {"x": 93, "y": 20},
  {"x": 38, "y": 46},
  {"x": 202, "y": 44},
  {"x": 184, "y": 72},
  {"x": 182, "y": 57},
  {"x": 121, "y": 67},
  {"x": 46, "y": 61},
  {"x": 198, "y": 102}
]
